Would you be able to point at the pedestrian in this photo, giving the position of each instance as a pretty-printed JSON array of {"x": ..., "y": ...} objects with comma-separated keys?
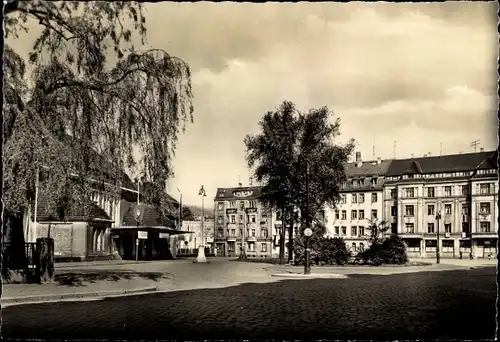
[
  {"x": 489, "y": 256},
  {"x": 460, "y": 255},
  {"x": 215, "y": 251}
]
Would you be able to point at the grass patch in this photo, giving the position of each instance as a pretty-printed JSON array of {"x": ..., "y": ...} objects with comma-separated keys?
[{"x": 273, "y": 261}]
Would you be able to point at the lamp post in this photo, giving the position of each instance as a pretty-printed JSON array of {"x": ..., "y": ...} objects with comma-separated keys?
[
  {"x": 137, "y": 217},
  {"x": 438, "y": 217},
  {"x": 307, "y": 231},
  {"x": 180, "y": 208},
  {"x": 201, "y": 250}
]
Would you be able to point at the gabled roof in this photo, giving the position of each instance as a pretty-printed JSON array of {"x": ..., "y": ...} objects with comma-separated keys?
[
  {"x": 243, "y": 193},
  {"x": 149, "y": 218},
  {"x": 85, "y": 212},
  {"x": 441, "y": 164},
  {"x": 367, "y": 168}
]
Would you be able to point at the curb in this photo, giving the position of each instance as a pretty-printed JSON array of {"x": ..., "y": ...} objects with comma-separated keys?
[
  {"x": 311, "y": 276},
  {"x": 83, "y": 264},
  {"x": 80, "y": 295}
]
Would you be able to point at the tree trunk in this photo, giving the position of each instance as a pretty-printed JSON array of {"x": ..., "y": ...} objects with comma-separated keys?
[
  {"x": 282, "y": 237},
  {"x": 290, "y": 237},
  {"x": 45, "y": 267}
]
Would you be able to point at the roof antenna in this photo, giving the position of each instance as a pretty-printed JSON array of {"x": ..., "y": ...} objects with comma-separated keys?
[{"x": 373, "y": 146}]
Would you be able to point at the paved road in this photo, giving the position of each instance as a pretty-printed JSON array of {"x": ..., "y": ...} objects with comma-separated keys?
[{"x": 428, "y": 305}]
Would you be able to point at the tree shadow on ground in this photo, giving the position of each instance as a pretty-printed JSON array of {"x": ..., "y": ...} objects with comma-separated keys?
[{"x": 79, "y": 278}]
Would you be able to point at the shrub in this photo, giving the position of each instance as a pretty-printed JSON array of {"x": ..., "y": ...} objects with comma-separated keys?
[
  {"x": 391, "y": 250},
  {"x": 324, "y": 251}
]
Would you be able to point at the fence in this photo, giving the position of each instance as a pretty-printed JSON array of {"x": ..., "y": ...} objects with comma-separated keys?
[{"x": 19, "y": 259}]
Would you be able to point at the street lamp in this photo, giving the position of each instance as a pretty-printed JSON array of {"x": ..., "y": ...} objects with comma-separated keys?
[
  {"x": 137, "y": 217},
  {"x": 438, "y": 217},
  {"x": 307, "y": 267},
  {"x": 201, "y": 250},
  {"x": 180, "y": 209}
]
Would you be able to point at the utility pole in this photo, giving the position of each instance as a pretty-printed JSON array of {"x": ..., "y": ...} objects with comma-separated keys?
[
  {"x": 474, "y": 144},
  {"x": 373, "y": 152},
  {"x": 395, "y": 143}
]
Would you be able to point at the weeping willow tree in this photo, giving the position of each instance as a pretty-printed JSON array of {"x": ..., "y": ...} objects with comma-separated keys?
[{"x": 85, "y": 100}]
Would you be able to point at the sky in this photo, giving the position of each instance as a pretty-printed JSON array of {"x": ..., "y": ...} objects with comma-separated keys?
[{"x": 421, "y": 74}]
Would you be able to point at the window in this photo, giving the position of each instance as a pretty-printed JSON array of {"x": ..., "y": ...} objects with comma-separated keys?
[
  {"x": 394, "y": 228},
  {"x": 264, "y": 232},
  {"x": 253, "y": 204},
  {"x": 354, "y": 214},
  {"x": 484, "y": 189},
  {"x": 242, "y": 205},
  {"x": 230, "y": 247},
  {"x": 361, "y": 230},
  {"x": 241, "y": 218},
  {"x": 233, "y": 218},
  {"x": 484, "y": 208},
  {"x": 354, "y": 231},
  {"x": 253, "y": 232},
  {"x": 354, "y": 198},
  {"x": 447, "y": 191},
  {"x": 430, "y": 209},
  {"x": 295, "y": 231},
  {"x": 220, "y": 232},
  {"x": 448, "y": 246},
  {"x": 447, "y": 228},
  {"x": 220, "y": 220},
  {"x": 337, "y": 214},
  {"x": 353, "y": 248},
  {"x": 410, "y": 228},
  {"x": 413, "y": 245},
  {"x": 484, "y": 227},
  {"x": 394, "y": 193},
  {"x": 410, "y": 192},
  {"x": 253, "y": 218},
  {"x": 361, "y": 247},
  {"x": 430, "y": 228},
  {"x": 220, "y": 205},
  {"x": 465, "y": 208},
  {"x": 465, "y": 190},
  {"x": 361, "y": 198},
  {"x": 344, "y": 214},
  {"x": 374, "y": 213},
  {"x": 232, "y": 204},
  {"x": 374, "y": 198},
  {"x": 361, "y": 214},
  {"x": 251, "y": 247},
  {"x": 264, "y": 247},
  {"x": 342, "y": 199},
  {"x": 374, "y": 181},
  {"x": 394, "y": 211},
  {"x": 344, "y": 231},
  {"x": 233, "y": 232},
  {"x": 465, "y": 227},
  {"x": 409, "y": 210},
  {"x": 430, "y": 245},
  {"x": 337, "y": 230},
  {"x": 447, "y": 209},
  {"x": 430, "y": 192}
]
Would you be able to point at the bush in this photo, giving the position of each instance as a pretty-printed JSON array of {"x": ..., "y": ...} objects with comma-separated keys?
[
  {"x": 391, "y": 251},
  {"x": 323, "y": 251}
]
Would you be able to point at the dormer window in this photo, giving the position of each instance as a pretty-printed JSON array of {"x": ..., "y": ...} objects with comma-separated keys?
[{"x": 374, "y": 181}]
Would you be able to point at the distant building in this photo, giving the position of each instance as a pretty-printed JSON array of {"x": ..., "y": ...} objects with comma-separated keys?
[
  {"x": 193, "y": 239},
  {"x": 462, "y": 187},
  {"x": 362, "y": 202},
  {"x": 240, "y": 215}
]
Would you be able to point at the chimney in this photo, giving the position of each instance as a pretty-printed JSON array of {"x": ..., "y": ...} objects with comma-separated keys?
[
  {"x": 481, "y": 149},
  {"x": 359, "y": 162},
  {"x": 428, "y": 154},
  {"x": 379, "y": 160},
  {"x": 240, "y": 184}
]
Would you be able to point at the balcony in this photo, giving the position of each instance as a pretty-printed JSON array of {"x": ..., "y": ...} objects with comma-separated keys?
[
  {"x": 485, "y": 235},
  {"x": 252, "y": 239},
  {"x": 232, "y": 238},
  {"x": 231, "y": 211}
]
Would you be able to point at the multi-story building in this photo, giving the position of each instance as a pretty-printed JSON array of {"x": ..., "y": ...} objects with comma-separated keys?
[
  {"x": 193, "y": 239},
  {"x": 242, "y": 220},
  {"x": 462, "y": 188},
  {"x": 361, "y": 204}
]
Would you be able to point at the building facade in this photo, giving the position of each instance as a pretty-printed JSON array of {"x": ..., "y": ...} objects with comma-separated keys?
[
  {"x": 361, "y": 204},
  {"x": 461, "y": 188},
  {"x": 241, "y": 220}
]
